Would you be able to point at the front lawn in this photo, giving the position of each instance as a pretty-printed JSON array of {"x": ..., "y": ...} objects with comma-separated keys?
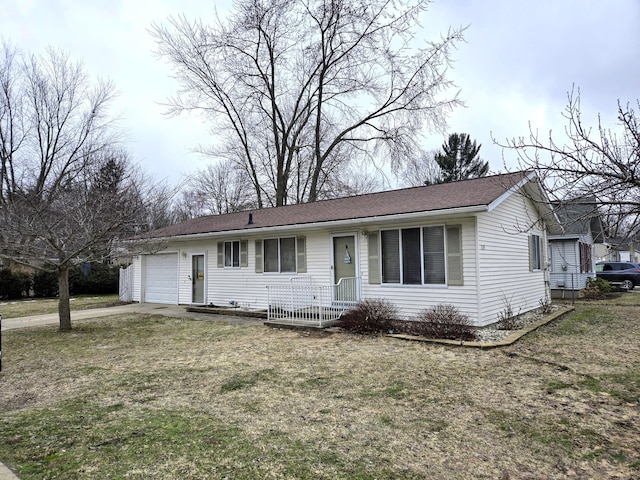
[{"x": 154, "y": 397}]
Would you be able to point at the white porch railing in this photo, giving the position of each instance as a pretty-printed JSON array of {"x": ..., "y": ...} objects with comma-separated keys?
[{"x": 300, "y": 302}]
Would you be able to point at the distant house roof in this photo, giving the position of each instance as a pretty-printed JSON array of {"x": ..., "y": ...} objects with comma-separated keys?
[
  {"x": 579, "y": 217},
  {"x": 479, "y": 192},
  {"x": 623, "y": 244}
]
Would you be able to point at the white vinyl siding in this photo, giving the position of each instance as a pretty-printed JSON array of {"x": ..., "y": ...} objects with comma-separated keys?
[
  {"x": 505, "y": 277},
  {"x": 137, "y": 278},
  {"x": 247, "y": 286}
]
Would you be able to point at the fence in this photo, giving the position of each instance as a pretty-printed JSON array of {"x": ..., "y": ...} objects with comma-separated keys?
[
  {"x": 301, "y": 302},
  {"x": 125, "y": 289}
]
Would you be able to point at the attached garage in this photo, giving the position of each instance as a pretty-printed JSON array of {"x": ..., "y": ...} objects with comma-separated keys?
[{"x": 160, "y": 274}]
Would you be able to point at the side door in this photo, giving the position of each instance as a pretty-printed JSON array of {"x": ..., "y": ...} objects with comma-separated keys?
[{"x": 197, "y": 279}]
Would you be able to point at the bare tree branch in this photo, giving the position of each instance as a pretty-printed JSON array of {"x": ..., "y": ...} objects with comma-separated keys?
[
  {"x": 293, "y": 88},
  {"x": 591, "y": 164}
]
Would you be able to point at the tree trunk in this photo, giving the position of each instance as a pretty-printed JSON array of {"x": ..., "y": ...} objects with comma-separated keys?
[{"x": 64, "y": 309}]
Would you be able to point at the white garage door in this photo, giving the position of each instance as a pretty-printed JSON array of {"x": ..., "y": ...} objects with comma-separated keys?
[{"x": 161, "y": 278}]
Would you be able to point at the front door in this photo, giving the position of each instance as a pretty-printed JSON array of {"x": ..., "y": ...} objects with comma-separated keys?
[
  {"x": 197, "y": 279},
  {"x": 344, "y": 268}
]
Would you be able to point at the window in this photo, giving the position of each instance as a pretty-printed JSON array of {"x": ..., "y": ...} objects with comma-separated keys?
[
  {"x": 535, "y": 253},
  {"x": 390, "y": 256},
  {"x": 434, "y": 255},
  {"x": 232, "y": 254},
  {"x": 280, "y": 254},
  {"x": 417, "y": 256},
  {"x": 585, "y": 258}
]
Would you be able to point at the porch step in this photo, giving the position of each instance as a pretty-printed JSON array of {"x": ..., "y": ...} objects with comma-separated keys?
[
  {"x": 229, "y": 311},
  {"x": 299, "y": 325}
]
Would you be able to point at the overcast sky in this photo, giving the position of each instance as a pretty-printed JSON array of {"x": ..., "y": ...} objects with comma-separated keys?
[{"x": 520, "y": 59}]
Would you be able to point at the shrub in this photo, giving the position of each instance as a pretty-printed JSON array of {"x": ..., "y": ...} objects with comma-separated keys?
[
  {"x": 442, "y": 321},
  {"x": 507, "y": 319},
  {"x": 597, "y": 288},
  {"x": 369, "y": 316},
  {"x": 45, "y": 284},
  {"x": 94, "y": 278},
  {"x": 14, "y": 285},
  {"x": 546, "y": 306}
]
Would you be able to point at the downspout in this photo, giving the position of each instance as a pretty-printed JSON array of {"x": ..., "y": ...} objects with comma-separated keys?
[{"x": 547, "y": 276}]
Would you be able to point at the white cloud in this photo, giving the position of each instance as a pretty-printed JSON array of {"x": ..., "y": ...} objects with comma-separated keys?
[{"x": 519, "y": 61}]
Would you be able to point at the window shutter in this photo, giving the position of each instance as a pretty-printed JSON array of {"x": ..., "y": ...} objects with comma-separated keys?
[
  {"x": 220, "y": 254},
  {"x": 301, "y": 266},
  {"x": 259, "y": 265},
  {"x": 454, "y": 256},
  {"x": 374, "y": 258},
  {"x": 244, "y": 253}
]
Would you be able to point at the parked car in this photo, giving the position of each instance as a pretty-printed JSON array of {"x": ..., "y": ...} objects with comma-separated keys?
[{"x": 624, "y": 274}]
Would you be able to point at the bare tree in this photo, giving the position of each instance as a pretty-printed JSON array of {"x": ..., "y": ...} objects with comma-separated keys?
[
  {"x": 593, "y": 163},
  {"x": 352, "y": 180},
  {"x": 420, "y": 170},
  {"x": 218, "y": 188},
  {"x": 294, "y": 87},
  {"x": 65, "y": 191}
]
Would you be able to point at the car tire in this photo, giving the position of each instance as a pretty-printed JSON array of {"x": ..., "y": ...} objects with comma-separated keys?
[{"x": 627, "y": 284}]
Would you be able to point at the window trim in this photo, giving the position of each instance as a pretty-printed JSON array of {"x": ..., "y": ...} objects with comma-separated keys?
[
  {"x": 237, "y": 251},
  {"x": 535, "y": 253},
  {"x": 279, "y": 242},
  {"x": 243, "y": 250},
  {"x": 444, "y": 228}
]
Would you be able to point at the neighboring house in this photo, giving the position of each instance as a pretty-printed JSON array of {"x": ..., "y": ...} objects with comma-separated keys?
[
  {"x": 477, "y": 244},
  {"x": 572, "y": 255},
  {"x": 622, "y": 249}
]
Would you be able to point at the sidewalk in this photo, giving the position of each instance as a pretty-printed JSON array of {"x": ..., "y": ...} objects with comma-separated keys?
[
  {"x": 6, "y": 474},
  {"x": 178, "y": 311}
]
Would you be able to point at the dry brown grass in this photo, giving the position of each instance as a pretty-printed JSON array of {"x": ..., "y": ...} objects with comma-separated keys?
[{"x": 154, "y": 397}]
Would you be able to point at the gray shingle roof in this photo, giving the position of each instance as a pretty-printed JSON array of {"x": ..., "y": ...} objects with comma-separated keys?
[{"x": 466, "y": 193}]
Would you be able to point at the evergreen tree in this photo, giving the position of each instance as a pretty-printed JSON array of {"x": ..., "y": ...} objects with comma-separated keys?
[{"x": 459, "y": 160}]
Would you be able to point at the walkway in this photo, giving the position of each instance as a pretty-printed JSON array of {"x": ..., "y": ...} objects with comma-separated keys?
[{"x": 145, "y": 308}]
